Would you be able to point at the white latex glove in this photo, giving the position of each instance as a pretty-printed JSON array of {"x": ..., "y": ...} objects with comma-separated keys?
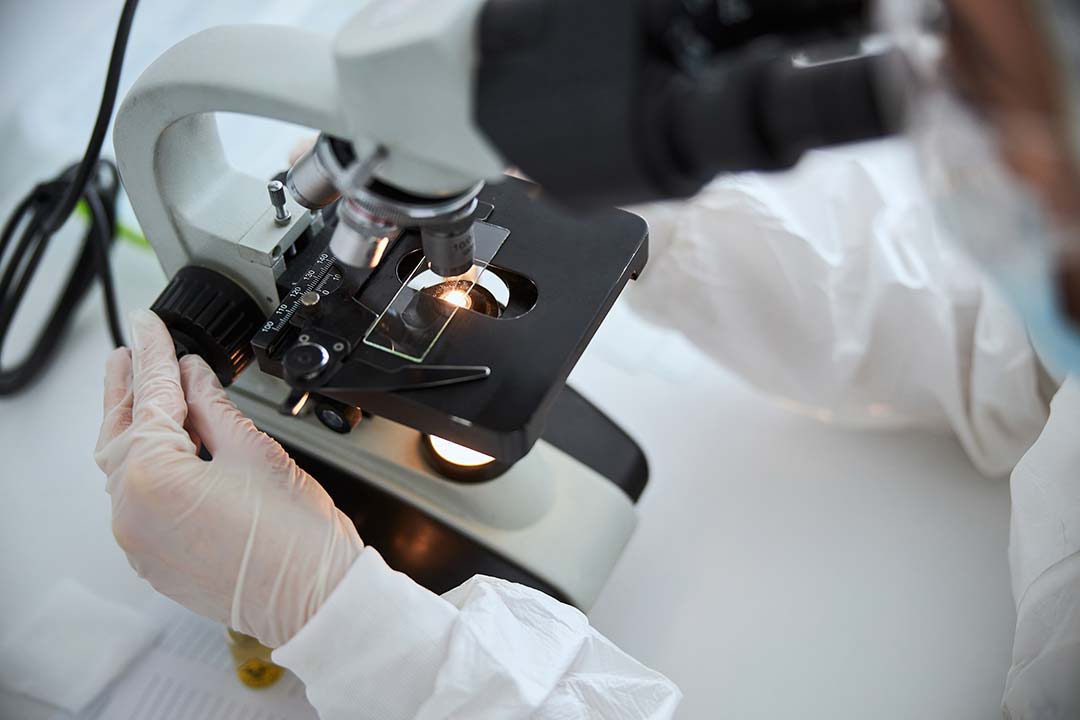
[{"x": 247, "y": 539}]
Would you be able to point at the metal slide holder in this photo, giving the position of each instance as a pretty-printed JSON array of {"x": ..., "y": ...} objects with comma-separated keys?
[{"x": 419, "y": 313}]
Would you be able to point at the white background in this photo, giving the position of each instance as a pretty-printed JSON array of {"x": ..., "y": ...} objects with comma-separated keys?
[{"x": 782, "y": 568}]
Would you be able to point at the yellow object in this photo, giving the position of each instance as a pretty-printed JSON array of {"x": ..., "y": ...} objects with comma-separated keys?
[{"x": 252, "y": 660}]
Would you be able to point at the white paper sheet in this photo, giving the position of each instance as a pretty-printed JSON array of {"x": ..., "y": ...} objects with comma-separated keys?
[
  {"x": 73, "y": 646},
  {"x": 189, "y": 675}
]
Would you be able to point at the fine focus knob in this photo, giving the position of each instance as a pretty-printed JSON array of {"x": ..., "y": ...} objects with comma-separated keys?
[{"x": 210, "y": 316}]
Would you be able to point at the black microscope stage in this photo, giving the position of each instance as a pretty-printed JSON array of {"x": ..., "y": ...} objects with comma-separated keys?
[{"x": 563, "y": 273}]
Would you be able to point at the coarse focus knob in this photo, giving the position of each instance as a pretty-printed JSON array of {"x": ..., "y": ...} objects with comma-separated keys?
[{"x": 211, "y": 316}]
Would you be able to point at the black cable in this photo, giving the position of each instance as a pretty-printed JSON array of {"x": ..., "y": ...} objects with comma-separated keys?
[{"x": 44, "y": 211}]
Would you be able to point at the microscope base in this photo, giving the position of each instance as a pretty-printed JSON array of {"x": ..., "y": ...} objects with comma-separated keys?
[{"x": 557, "y": 520}]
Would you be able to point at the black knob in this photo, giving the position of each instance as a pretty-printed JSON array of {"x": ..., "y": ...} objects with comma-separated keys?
[
  {"x": 211, "y": 316},
  {"x": 338, "y": 416},
  {"x": 305, "y": 362}
]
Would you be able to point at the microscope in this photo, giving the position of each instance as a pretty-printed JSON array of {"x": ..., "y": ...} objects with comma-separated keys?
[{"x": 400, "y": 314}]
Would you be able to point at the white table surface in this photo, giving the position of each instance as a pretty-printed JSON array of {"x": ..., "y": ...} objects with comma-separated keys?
[{"x": 782, "y": 567}]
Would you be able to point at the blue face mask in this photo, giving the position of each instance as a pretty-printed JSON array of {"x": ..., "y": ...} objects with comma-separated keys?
[
  {"x": 1055, "y": 337},
  {"x": 1011, "y": 240}
]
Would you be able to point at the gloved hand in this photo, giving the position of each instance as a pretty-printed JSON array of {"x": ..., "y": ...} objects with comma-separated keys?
[{"x": 247, "y": 539}]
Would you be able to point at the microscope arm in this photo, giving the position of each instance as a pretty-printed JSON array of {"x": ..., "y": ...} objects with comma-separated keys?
[{"x": 194, "y": 205}]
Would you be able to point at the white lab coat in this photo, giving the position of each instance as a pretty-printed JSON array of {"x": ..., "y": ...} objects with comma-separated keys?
[{"x": 832, "y": 288}]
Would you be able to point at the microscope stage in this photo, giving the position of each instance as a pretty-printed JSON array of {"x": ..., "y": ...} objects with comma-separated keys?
[{"x": 563, "y": 273}]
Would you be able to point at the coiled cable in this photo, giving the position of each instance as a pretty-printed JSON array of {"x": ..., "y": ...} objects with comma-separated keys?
[{"x": 42, "y": 213}]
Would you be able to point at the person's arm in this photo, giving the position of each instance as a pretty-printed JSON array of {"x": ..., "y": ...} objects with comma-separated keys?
[
  {"x": 833, "y": 287},
  {"x": 1044, "y": 553},
  {"x": 251, "y": 540},
  {"x": 383, "y": 647}
]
